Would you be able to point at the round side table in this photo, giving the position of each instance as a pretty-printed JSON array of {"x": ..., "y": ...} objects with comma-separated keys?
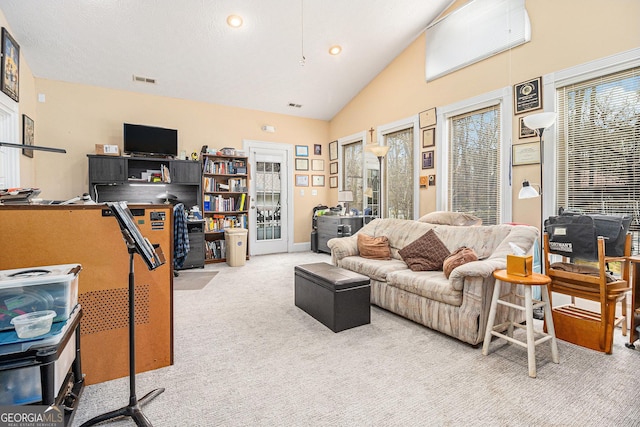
[{"x": 535, "y": 279}]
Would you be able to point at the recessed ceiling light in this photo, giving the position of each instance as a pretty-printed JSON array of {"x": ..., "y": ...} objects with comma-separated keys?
[
  {"x": 335, "y": 50},
  {"x": 234, "y": 21}
]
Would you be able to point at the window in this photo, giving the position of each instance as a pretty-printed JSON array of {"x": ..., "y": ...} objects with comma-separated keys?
[
  {"x": 474, "y": 175},
  {"x": 9, "y": 157},
  {"x": 352, "y": 158},
  {"x": 399, "y": 188},
  {"x": 598, "y": 146}
]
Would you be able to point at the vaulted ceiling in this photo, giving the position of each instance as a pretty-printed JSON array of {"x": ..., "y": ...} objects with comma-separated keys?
[{"x": 189, "y": 50}]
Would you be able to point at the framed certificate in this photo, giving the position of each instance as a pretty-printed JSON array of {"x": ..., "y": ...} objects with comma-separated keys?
[
  {"x": 427, "y": 118},
  {"x": 526, "y": 154},
  {"x": 302, "y": 164},
  {"x": 333, "y": 150}
]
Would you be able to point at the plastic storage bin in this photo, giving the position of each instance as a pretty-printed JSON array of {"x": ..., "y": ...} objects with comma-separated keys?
[
  {"x": 32, "y": 289},
  {"x": 236, "y": 242}
]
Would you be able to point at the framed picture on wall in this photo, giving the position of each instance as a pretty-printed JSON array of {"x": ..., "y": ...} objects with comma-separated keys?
[
  {"x": 333, "y": 182},
  {"x": 302, "y": 180},
  {"x": 428, "y": 137},
  {"x": 28, "y": 134},
  {"x": 302, "y": 164},
  {"x": 10, "y": 73},
  {"x": 527, "y": 96},
  {"x": 333, "y": 168},
  {"x": 525, "y": 132},
  {"x": 333, "y": 150},
  {"x": 317, "y": 165},
  {"x": 317, "y": 149},
  {"x": 427, "y": 118},
  {"x": 427, "y": 160},
  {"x": 526, "y": 154},
  {"x": 302, "y": 151},
  {"x": 317, "y": 180}
]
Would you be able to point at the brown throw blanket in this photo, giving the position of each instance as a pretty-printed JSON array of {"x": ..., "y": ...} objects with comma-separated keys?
[{"x": 582, "y": 269}]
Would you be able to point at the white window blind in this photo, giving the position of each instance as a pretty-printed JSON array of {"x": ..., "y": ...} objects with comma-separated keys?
[
  {"x": 352, "y": 171},
  {"x": 598, "y": 146},
  {"x": 399, "y": 174},
  {"x": 474, "y": 164},
  {"x": 473, "y": 32}
]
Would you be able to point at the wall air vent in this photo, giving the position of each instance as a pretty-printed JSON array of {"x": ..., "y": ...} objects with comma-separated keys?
[
  {"x": 294, "y": 105},
  {"x": 144, "y": 79},
  {"x": 475, "y": 31}
]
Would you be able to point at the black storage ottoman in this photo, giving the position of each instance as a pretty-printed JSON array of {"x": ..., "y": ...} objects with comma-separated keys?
[{"x": 337, "y": 298}]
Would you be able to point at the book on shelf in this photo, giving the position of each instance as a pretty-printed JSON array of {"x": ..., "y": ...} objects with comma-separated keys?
[
  {"x": 216, "y": 249},
  {"x": 217, "y": 223},
  {"x": 225, "y": 167}
]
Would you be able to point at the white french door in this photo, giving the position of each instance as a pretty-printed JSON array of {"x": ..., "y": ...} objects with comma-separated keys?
[{"x": 269, "y": 191}]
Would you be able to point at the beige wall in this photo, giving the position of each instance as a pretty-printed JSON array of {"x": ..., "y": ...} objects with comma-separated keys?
[
  {"x": 26, "y": 106},
  {"x": 561, "y": 38},
  {"x": 76, "y": 116}
]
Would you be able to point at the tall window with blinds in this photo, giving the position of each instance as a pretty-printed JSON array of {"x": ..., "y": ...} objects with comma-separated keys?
[
  {"x": 474, "y": 164},
  {"x": 352, "y": 172},
  {"x": 598, "y": 146},
  {"x": 399, "y": 174}
]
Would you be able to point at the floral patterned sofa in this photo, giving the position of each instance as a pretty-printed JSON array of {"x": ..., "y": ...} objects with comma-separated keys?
[{"x": 457, "y": 306}]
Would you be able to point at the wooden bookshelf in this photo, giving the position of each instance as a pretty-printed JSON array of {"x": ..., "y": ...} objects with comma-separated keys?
[{"x": 225, "y": 201}]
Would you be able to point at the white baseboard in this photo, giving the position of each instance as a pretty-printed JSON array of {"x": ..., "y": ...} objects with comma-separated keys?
[{"x": 301, "y": 247}]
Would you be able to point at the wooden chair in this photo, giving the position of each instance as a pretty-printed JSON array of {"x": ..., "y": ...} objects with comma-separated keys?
[{"x": 584, "y": 327}]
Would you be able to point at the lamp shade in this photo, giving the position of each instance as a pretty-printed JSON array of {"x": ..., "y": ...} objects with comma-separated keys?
[
  {"x": 378, "y": 150},
  {"x": 527, "y": 191},
  {"x": 540, "y": 120},
  {"x": 368, "y": 192},
  {"x": 345, "y": 196}
]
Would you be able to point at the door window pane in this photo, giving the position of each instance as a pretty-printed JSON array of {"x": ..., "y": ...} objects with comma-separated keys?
[{"x": 268, "y": 224}]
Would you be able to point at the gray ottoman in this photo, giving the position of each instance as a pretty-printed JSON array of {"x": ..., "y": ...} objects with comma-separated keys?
[{"x": 337, "y": 298}]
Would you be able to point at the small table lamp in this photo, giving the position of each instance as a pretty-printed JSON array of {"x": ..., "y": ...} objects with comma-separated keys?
[{"x": 346, "y": 197}]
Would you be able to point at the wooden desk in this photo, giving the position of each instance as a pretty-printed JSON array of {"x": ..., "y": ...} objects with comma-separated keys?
[
  {"x": 634, "y": 335},
  {"x": 34, "y": 235}
]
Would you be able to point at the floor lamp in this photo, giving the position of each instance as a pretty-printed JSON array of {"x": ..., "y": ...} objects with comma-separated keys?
[
  {"x": 380, "y": 151},
  {"x": 539, "y": 123}
]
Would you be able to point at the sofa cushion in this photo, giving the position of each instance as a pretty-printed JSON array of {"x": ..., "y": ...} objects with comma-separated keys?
[
  {"x": 375, "y": 269},
  {"x": 451, "y": 218},
  {"x": 459, "y": 257},
  {"x": 428, "y": 284},
  {"x": 373, "y": 247},
  {"x": 426, "y": 253}
]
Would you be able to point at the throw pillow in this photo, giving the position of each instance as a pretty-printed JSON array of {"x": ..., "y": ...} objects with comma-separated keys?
[
  {"x": 459, "y": 257},
  {"x": 426, "y": 253},
  {"x": 451, "y": 218},
  {"x": 373, "y": 247}
]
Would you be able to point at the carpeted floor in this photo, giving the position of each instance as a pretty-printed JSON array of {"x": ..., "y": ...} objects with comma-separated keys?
[
  {"x": 192, "y": 280},
  {"x": 246, "y": 356}
]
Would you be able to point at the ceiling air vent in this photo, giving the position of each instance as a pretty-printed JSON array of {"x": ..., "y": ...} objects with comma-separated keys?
[
  {"x": 291, "y": 104},
  {"x": 144, "y": 79}
]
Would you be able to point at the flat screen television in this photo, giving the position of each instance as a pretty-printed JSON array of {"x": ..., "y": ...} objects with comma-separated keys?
[{"x": 150, "y": 141}]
